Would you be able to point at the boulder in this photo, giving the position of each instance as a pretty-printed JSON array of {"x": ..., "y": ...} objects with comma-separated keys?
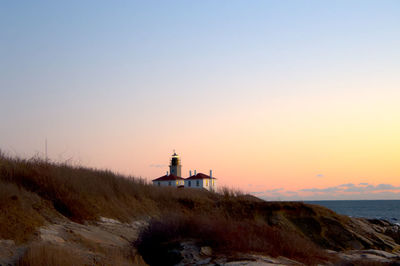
[{"x": 206, "y": 251}]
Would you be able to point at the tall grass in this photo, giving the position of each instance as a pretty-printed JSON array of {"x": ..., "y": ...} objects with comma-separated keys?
[
  {"x": 84, "y": 194},
  {"x": 225, "y": 237},
  {"x": 35, "y": 192},
  {"x": 44, "y": 254},
  {"x": 48, "y": 254},
  {"x": 76, "y": 192},
  {"x": 19, "y": 212}
]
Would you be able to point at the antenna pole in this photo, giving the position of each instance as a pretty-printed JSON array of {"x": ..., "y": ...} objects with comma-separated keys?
[{"x": 45, "y": 148}]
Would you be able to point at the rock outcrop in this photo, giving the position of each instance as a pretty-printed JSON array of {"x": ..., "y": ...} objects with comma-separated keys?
[
  {"x": 96, "y": 243},
  {"x": 334, "y": 231},
  {"x": 362, "y": 240}
]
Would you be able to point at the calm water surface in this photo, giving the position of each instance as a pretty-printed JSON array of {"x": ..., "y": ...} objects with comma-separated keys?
[{"x": 380, "y": 209}]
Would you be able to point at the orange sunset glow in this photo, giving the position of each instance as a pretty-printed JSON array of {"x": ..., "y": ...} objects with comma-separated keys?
[{"x": 284, "y": 102}]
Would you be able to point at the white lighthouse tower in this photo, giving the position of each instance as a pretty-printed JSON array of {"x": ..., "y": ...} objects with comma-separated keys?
[{"x": 175, "y": 165}]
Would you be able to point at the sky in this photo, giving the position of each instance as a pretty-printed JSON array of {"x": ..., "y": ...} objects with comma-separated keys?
[{"x": 287, "y": 100}]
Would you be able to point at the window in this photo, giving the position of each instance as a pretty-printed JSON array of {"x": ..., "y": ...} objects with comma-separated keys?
[
  {"x": 169, "y": 183},
  {"x": 190, "y": 184},
  {"x": 213, "y": 182},
  {"x": 177, "y": 183},
  {"x": 159, "y": 184},
  {"x": 206, "y": 182},
  {"x": 197, "y": 183}
]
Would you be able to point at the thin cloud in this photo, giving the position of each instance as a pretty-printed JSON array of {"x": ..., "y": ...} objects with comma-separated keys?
[
  {"x": 347, "y": 185},
  {"x": 328, "y": 189},
  {"x": 352, "y": 188},
  {"x": 273, "y": 190},
  {"x": 268, "y": 191},
  {"x": 386, "y": 187},
  {"x": 158, "y": 165},
  {"x": 320, "y": 175},
  {"x": 343, "y": 191}
]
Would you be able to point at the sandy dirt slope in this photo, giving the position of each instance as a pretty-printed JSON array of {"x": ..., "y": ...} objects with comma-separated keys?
[{"x": 107, "y": 242}]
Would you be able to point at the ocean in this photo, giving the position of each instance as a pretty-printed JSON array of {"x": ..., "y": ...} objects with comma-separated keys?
[{"x": 379, "y": 209}]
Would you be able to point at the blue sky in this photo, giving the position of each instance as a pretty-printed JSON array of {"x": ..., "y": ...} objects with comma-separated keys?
[{"x": 120, "y": 84}]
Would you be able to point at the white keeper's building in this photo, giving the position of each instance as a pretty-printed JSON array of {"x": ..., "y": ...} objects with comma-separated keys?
[{"x": 174, "y": 179}]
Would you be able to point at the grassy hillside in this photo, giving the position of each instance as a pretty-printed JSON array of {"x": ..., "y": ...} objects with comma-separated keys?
[{"x": 34, "y": 193}]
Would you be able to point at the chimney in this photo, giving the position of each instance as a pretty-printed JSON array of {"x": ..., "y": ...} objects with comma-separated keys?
[
  {"x": 167, "y": 172},
  {"x": 210, "y": 173},
  {"x": 190, "y": 172},
  {"x": 195, "y": 173}
]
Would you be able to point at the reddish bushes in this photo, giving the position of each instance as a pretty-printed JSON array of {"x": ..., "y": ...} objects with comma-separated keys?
[{"x": 225, "y": 236}]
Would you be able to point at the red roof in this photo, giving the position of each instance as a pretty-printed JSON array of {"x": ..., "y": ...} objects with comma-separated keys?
[
  {"x": 168, "y": 178},
  {"x": 200, "y": 176}
]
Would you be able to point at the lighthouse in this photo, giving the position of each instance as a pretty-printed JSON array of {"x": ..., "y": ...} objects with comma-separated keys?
[
  {"x": 174, "y": 178},
  {"x": 175, "y": 165}
]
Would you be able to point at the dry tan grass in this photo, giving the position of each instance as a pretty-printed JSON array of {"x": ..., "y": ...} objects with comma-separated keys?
[
  {"x": 225, "y": 237},
  {"x": 365, "y": 262},
  {"x": 50, "y": 254},
  {"x": 84, "y": 194},
  {"x": 46, "y": 190},
  {"x": 19, "y": 216},
  {"x": 76, "y": 192}
]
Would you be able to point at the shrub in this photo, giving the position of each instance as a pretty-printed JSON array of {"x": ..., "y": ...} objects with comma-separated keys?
[{"x": 225, "y": 237}]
